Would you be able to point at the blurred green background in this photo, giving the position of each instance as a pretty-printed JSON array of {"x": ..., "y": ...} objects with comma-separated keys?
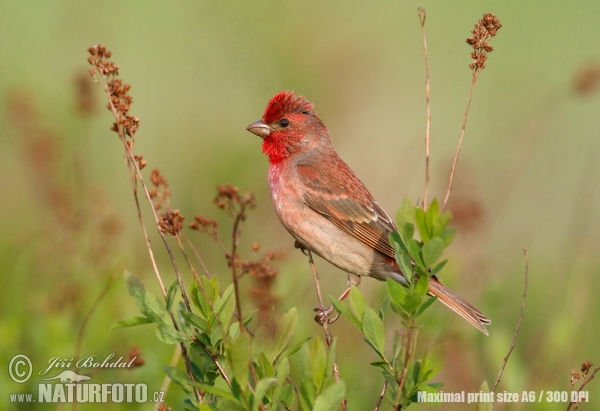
[{"x": 202, "y": 71}]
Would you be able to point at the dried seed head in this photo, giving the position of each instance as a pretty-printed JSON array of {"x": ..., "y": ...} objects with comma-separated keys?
[
  {"x": 485, "y": 29},
  {"x": 171, "y": 222},
  {"x": 585, "y": 367},
  {"x": 587, "y": 79}
]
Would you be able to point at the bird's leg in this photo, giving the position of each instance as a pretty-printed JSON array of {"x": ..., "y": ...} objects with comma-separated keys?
[
  {"x": 323, "y": 313},
  {"x": 300, "y": 247}
]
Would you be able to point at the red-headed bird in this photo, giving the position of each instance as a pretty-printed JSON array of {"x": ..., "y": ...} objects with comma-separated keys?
[{"x": 325, "y": 207}]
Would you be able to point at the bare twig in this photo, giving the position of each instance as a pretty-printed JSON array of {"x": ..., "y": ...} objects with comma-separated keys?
[
  {"x": 512, "y": 345},
  {"x": 325, "y": 324},
  {"x": 385, "y": 384},
  {"x": 485, "y": 29},
  {"x": 462, "y": 133},
  {"x": 197, "y": 254},
  {"x": 585, "y": 382},
  {"x": 136, "y": 174},
  {"x": 422, "y": 17},
  {"x": 89, "y": 315},
  {"x": 234, "y": 242}
]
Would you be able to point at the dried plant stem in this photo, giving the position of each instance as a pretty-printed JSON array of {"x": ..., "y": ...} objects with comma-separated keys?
[
  {"x": 512, "y": 345},
  {"x": 234, "y": 241},
  {"x": 422, "y": 17},
  {"x": 585, "y": 382},
  {"x": 385, "y": 384},
  {"x": 197, "y": 254},
  {"x": 328, "y": 337},
  {"x": 462, "y": 133},
  {"x": 89, "y": 315},
  {"x": 136, "y": 174}
]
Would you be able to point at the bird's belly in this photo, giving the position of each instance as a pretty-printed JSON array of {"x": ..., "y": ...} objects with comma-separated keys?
[{"x": 318, "y": 234}]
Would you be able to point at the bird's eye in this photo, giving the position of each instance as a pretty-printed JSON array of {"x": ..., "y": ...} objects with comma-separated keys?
[{"x": 284, "y": 122}]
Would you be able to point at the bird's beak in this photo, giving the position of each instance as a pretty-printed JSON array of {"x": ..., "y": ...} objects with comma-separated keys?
[{"x": 259, "y": 128}]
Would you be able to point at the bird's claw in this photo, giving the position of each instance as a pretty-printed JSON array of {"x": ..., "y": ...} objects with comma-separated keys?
[
  {"x": 300, "y": 247},
  {"x": 323, "y": 314}
]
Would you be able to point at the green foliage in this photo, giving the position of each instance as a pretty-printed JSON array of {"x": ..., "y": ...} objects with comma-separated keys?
[
  {"x": 405, "y": 372},
  {"x": 234, "y": 370}
]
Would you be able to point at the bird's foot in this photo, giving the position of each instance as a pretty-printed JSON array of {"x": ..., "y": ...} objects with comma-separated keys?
[
  {"x": 300, "y": 247},
  {"x": 323, "y": 314}
]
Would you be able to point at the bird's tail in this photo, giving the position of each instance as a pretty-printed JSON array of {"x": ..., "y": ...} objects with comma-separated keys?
[{"x": 458, "y": 305}]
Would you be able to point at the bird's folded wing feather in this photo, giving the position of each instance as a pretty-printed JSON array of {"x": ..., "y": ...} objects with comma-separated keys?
[{"x": 345, "y": 201}]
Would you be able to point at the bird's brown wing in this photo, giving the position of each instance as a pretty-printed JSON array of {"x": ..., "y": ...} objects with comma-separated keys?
[{"x": 344, "y": 200}]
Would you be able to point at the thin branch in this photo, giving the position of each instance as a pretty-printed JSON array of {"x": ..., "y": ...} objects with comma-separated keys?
[
  {"x": 462, "y": 133},
  {"x": 328, "y": 337},
  {"x": 422, "y": 17},
  {"x": 89, "y": 315},
  {"x": 587, "y": 380},
  {"x": 512, "y": 345},
  {"x": 385, "y": 384},
  {"x": 197, "y": 254},
  {"x": 234, "y": 241},
  {"x": 134, "y": 176}
]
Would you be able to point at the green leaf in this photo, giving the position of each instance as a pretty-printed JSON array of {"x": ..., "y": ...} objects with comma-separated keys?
[
  {"x": 405, "y": 214},
  {"x": 413, "y": 301},
  {"x": 178, "y": 376},
  {"x": 434, "y": 361},
  {"x": 484, "y": 406},
  {"x": 416, "y": 372},
  {"x": 218, "y": 392},
  {"x": 331, "y": 358},
  {"x": 319, "y": 362},
  {"x": 421, "y": 220},
  {"x": 374, "y": 332},
  {"x": 225, "y": 305},
  {"x": 196, "y": 321},
  {"x": 439, "y": 224},
  {"x": 331, "y": 397},
  {"x": 357, "y": 302},
  {"x": 396, "y": 291},
  {"x": 260, "y": 390},
  {"x": 424, "y": 306},
  {"x": 405, "y": 264},
  {"x": 184, "y": 326},
  {"x": 398, "y": 243},
  {"x": 422, "y": 286},
  {"x": 130, "y": 322},
  {"x": 171, "y": 294},
  {"x": 432, "y": 250},
  {"x": 433, "y": 214},
  {"x": 169, "y": 335},
  {"x": 148, "y": 304},
  {"x": 345, "y": 311},
  {"x": 263, "y": 343},
  {"x": 438, "y": 267},
  {"x": 238, "y": 357},
  {"x": 292, "y": 350},
  {"x": 263, "y": 366},
  {"x": 448, "y": 235},
  {"x": 287, "y": 396},
  {"x": 283, "y": 372},
  {"x": 415, "y": 252},
  {"x": 285, "y": 330}
]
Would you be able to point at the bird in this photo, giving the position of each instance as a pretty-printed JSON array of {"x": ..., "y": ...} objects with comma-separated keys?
[{"x": 325, "y": 206}]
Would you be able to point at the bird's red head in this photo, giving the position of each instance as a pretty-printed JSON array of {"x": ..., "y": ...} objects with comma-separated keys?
[{"x": 288, "y": 125}]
